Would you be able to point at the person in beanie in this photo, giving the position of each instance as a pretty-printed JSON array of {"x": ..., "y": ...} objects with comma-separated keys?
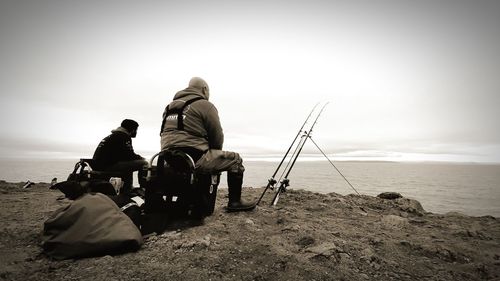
[
  {"x": 200, "y": 135},
  {"x": 116, "y": 154}
]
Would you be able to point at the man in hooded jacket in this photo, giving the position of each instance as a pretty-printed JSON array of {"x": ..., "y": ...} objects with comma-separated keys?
[
  {"x": 116, "y": 154},
  {"x": 200, "y": 135}
]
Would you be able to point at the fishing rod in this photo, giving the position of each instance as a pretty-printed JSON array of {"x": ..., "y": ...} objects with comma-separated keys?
[
  {"x": 286, "y": 182},
  {"x": 272, "y": 181},
  {"x": 293, "y": 155}
]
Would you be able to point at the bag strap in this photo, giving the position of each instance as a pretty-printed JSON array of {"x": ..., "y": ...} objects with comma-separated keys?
[{"x": 179, "y": 112}]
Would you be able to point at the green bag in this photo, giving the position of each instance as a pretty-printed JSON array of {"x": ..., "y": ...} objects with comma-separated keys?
[{"x": 92, "y": 225}]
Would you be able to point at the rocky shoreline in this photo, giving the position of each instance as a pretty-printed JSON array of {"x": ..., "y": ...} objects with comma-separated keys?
[{"x": 308, "y": 236}]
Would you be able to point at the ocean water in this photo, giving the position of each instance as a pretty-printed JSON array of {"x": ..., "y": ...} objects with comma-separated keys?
[{"x": 472, "y": 189}]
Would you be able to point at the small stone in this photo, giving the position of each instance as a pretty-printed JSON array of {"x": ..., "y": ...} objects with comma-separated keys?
[
  {"x": 405, "y": 243},
  {"x": 376, "y": 241},
  {"x": 364, "y": 276},
  {"x": 106, "y": 258},
  {"x": 326, "y": 249},
  {"x": 345, "y": 258},
  {"x": 295, "y": 227},
  {"x": 205, "y": 241},
  {"x": 305, "y": 241},
  {"x": 375, "y": 266}
]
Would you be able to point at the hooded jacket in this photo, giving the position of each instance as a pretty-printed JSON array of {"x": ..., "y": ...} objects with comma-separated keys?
[
  {"x": 202, "y": 128},
  {"x": 114, "y": 148}
]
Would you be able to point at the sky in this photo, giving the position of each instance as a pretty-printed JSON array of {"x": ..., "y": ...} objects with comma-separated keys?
[{"x": 406, "y": 80}]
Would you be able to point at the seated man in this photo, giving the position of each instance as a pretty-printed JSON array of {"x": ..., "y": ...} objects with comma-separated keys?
[
  {"x": 191, "y": 124},
  {"x": 116, "y": 154}
]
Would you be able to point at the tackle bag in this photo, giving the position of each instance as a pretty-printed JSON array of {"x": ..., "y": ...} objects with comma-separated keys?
[
  {"x": 73, "y": 189},
  {"x": 92, "y": 225}
]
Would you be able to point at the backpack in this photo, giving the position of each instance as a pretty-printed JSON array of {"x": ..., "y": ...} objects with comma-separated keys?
[{"x": 177, "y": 114}]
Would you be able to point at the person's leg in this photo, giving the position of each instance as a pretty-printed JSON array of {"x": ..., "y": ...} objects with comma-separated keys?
[
  {"x": 218, "y": 161},
  {"x": 215, "y": 161},
  {"x": 126, "y": 169}
]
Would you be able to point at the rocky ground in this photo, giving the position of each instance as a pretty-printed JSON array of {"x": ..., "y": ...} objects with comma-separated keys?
[{"x": 308, "y": 236}]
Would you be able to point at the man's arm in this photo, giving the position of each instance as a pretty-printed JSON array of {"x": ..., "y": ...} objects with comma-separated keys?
[
  {"x": 214, "y": 129},
  {"x": 128, "y": 152}
]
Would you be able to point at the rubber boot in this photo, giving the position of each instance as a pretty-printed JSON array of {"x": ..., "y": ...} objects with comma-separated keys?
[
  {"x": 235, "y": 204},
  {"x": 142, "y": 176}
]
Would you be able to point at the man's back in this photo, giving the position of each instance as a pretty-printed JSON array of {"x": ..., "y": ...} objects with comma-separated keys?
[
  {"x": 201, "y": 125},
  {"x": 112, "y": 149},
  {"x": 115, "y": 148}
]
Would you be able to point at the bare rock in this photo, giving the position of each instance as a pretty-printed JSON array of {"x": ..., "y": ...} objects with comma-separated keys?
[
  {"x": 390, "y": 195},
  {"x": 410, "y": 205},
  {"x": 392, "y": 221}
]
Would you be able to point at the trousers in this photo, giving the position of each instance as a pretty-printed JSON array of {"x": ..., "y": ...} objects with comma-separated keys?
[
  {"x": 216, "y": 161},
  {"x": 126, "y": 168}
]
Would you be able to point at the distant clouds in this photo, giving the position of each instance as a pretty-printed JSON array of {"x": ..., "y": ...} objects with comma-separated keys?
[{"x": 406, "y": 79}]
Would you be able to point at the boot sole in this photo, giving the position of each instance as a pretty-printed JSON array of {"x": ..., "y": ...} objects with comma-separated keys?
[{"x": 242, "y": 209}]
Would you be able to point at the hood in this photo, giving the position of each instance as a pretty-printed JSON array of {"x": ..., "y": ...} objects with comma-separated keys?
[
  {"x": 189, "y": 92},
  {"x": 120, "y": 130},
  {"x": 184, "y": 95}
]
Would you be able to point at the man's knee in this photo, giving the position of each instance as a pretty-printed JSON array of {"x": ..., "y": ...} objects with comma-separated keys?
[
  {"x": 136, "y": 165},
  {"x": 237, "y": 166},
  {"x": 141, "y": 163}
]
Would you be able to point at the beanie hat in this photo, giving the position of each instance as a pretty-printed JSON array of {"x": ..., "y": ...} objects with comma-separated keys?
[{"x": 129, "y": 124}]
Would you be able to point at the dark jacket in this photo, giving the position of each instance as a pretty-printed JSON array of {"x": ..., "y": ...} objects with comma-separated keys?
[
  {"x": 202, "y": 128},
  {"x": 114, "y": 148}
]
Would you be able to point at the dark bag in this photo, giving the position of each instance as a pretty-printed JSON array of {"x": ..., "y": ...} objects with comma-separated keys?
[
  {"x": 71, "y": 189},
  {"x": 92, "y": 225},
  {"x": 129, "y": 207},
  {"x": 74, "y": 189}
]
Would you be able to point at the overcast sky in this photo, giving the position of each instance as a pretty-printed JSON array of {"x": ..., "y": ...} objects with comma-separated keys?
[{"x": 406, "y": 80}]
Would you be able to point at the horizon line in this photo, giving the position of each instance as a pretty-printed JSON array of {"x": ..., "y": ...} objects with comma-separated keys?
[{"x": 278, "y": 159}]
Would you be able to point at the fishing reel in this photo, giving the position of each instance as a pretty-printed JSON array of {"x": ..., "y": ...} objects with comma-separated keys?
[
  {"x": 284, "y": 184},
  {"x": 271, "y": 183}
]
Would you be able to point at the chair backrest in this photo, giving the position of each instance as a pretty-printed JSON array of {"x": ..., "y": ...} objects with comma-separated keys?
[
  {"x": 81, "y": 171},
  {"x": 175, "y": 170},
  {"x": 177, "y": 160},
  {"x": 84, "y": 171},
  {"x": 176, "y": 188},
  {"x": 87, "y": 162}
]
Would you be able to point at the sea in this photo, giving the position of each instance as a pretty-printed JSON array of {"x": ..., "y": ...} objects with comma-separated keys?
[{"x": 468, "y": 188}]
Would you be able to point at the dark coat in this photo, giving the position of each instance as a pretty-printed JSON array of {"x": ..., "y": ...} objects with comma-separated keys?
[{"x": 114, "y": 148}]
